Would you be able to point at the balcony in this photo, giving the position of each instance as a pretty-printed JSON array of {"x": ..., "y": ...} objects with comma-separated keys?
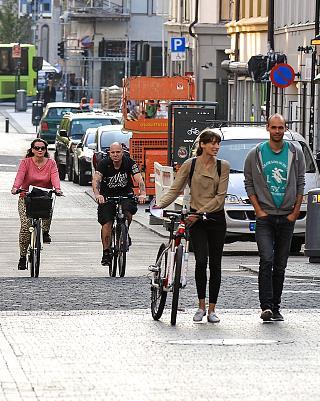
[{"x": 97, "y": 9}]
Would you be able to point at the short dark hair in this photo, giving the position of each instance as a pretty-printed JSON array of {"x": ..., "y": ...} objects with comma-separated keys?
[
  {"x": 29, "y": 151},
  {"x": 277, "y": 115},
  {"x": 207, "y": 135}
]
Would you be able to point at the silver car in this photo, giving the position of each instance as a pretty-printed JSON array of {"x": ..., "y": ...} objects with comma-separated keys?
[{"x": 235, "y": 145}]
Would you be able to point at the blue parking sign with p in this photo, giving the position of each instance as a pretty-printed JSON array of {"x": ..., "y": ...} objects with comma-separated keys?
[{"x": 178, "y": 44}]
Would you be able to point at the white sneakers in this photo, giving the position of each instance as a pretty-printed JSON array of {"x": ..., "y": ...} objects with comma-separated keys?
[
  {"x": 200, "y": 313},
  {"x": 213, "y": 318}
]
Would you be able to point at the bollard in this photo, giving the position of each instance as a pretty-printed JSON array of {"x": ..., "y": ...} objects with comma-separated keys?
[
  {"x": 312, "y": 245},
  {"x": 7, "y": 125}
]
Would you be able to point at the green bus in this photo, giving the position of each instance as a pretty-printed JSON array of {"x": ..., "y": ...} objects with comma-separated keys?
[{"x": 13, "y": 70}]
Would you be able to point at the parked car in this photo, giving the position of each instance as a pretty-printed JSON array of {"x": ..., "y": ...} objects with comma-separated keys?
[
  {"x": 51, "y": 118},
  {"x": 104, "y": 137},
  {"x": 241, "y": 220},
  {"x": 71, "y": 130},
  {"x": 82, "y": 158}
]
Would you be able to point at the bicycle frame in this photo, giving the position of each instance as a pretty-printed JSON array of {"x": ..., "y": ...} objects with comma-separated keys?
[
  {"x": 181, "y": 234},
  {"x": 36, "y": 241},
  {"x": 120, "y": 237}
]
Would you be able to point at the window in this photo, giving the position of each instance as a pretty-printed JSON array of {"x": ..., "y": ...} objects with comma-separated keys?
[
  {"x": 8, "y": 63},
  {"x": 225, "y": 10},
  {"x": 310, "y": 167},
  {"x": 139, "y": 6}
]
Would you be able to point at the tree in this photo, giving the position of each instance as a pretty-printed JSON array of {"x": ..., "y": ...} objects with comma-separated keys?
[{"x": 12, "y": 28}]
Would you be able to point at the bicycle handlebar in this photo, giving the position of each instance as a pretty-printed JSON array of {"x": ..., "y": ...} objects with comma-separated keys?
[
  {"x": 51, "y": 191},
  {"x": 120, "y": 198},
  {"x": 178, "y": 214}
]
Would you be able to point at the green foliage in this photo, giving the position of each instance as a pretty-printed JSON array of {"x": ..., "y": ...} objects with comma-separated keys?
[{"x": 12, "y": 28}]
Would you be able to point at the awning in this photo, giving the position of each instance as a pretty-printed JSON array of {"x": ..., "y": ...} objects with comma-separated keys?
[{"x": 47, "y": 67}]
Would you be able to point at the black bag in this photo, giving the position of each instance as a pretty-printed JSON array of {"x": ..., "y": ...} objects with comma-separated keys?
[{"x": 38, "y": 204}]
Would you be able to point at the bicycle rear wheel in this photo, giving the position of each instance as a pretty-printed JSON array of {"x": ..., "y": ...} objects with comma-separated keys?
[
  {"x": 37, "y": 248},
  {"x": 114, "y": 253},
  {"x": 176, "y": 284},
  {"x": 122, "y": 244},
  {"x": 158, "y": 295}
]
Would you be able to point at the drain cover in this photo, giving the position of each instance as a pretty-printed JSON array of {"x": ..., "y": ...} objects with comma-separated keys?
[{"x": 225, "y": 341}]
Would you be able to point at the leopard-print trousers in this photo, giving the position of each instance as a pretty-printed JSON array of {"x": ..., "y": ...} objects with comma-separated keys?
[{"x": 24, "y": 234}]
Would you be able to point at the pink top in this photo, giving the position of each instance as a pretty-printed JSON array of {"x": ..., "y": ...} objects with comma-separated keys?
[{"x": 28, "y": 173}]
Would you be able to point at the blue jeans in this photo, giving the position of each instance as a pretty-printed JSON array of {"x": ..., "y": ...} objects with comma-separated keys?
[{"x": 273, "y": 236}]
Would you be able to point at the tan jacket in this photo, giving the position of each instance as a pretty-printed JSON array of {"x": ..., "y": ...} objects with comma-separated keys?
[{"x": 208, "y": 190}]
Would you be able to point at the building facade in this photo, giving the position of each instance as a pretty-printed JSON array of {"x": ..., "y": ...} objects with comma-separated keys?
[
  {"x": 202, "y": 24},
  {"x": 249, "y": 37},
  {"x": 103, "y": 41},
  {"x": 294, "y": 28}
]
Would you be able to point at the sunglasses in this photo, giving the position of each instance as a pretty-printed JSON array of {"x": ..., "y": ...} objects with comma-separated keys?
[{"x": 39, "y": 147}]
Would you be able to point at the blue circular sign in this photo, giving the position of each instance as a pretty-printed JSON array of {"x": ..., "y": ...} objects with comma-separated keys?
[{"x": 282, "y": 75}]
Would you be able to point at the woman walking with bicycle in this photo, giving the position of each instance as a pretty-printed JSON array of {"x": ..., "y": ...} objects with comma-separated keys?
[
  {"x": 36, "y": 169},
  {"x": 208, "y": 178}
]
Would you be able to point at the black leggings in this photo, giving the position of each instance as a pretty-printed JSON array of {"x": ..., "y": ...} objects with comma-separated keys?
[{"x": 208, "y": 239}]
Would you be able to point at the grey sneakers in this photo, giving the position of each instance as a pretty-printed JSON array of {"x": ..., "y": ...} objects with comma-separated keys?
[
  {"x": 199, "y": 315},
  {"x": 213, "y": 318}
]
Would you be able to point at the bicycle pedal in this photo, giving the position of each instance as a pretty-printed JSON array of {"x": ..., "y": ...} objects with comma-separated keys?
[{"x": 153, "y": 268}]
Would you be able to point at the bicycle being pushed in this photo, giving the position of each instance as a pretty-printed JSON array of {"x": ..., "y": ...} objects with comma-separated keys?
[
  {"x": 120, "y": 239},
  {"x": 39, "y": 205},
  {"x": 169, "y": 273}
]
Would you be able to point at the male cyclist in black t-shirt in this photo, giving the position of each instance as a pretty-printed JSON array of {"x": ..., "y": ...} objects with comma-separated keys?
[{"x": 113, "y": 177}]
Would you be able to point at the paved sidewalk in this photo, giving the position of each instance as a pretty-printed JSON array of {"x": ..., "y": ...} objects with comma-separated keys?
[
  {"x": 116, "y": 356},
  {"x": 19, "y": 120}
]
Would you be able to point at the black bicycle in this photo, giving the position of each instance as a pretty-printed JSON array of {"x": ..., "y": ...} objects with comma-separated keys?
[
  {"x": 39, "y": 205},
  {"x": 120, "y": 240}
]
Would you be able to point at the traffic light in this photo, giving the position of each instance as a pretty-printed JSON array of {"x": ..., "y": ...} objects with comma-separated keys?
[
  {"x": 61, "y": 49},
  {"x": 85, "y": 52}
]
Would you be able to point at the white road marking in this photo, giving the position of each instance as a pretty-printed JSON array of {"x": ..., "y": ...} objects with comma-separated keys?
[{"x": 297, "y": 291}]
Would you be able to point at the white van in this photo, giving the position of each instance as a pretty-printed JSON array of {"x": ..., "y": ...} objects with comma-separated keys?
[{"x": 235, "y": 145}]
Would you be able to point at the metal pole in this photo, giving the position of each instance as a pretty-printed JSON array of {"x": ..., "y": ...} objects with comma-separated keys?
[
  {"x": 313, "y": 74},
  {"x": 163, "y": 48},
  {"x": 169, "y": 133},
  {"x": 271, "y": 48}
]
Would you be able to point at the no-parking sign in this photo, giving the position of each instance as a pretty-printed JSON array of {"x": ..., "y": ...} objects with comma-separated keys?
[{"x": 282, "y": 75}]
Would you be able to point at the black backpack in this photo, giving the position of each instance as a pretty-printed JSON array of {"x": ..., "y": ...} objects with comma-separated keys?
[{"x": 193, "y": 164}]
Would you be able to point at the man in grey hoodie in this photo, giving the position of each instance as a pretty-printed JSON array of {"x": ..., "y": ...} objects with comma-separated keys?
[{"x": 274, "y": 180}]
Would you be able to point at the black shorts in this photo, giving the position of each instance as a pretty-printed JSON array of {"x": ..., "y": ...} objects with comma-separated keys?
[{"x": 107, "y": 211}]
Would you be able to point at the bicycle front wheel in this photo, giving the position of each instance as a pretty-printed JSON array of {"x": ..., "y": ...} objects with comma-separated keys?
[
  {"x": 158, "y": 295},
  {"x": 176, "y": 284},
  {"x": 31, "y": 258},
  {"x": 114, "y": 252},
  {"x": 37, "y": 248},
  {"x": 122, "y": 245}
]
